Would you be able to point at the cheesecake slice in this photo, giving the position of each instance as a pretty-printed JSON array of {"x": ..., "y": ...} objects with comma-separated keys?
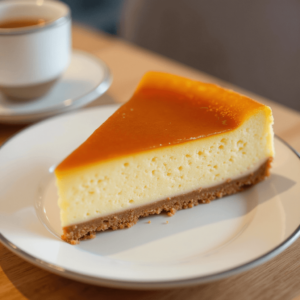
[{"x": 176, "y": 143}]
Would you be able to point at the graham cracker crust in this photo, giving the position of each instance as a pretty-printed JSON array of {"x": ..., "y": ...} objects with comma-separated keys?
[{"x": 87, "y": 230}]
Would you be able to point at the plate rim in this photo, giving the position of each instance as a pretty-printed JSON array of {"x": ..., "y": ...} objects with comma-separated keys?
[
  {"x": 98, "y": 90},
  {"x": 143, "y": 285}
]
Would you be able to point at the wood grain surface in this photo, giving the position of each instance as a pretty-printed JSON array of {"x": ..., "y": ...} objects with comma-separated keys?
[{"x": 276, "y": 279}]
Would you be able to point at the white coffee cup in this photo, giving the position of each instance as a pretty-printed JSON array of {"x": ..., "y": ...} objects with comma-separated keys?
[{"x": 33, "y": 58}]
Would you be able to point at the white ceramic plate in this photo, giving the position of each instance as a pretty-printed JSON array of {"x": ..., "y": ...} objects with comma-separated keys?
[
  {"x": 208, "y": 242},
  {"x": 86, "y": 79}
]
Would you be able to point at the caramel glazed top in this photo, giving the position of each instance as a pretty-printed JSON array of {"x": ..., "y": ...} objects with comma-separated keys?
[{"x": 165, "y": 110}]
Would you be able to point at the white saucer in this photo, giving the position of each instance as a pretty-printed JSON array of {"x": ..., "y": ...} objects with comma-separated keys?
[
  {"x": 205, "y": 243},
  {"x": 86, "y": 79}
]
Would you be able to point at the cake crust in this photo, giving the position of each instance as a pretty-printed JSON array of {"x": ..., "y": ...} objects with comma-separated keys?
[{"x": 87, "y": 230}]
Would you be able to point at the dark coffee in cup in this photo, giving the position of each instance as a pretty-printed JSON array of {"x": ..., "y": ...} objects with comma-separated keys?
[{"x": 18, "y": 23}]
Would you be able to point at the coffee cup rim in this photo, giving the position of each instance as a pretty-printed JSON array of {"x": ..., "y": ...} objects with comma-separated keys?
[{"x": 35, "y": 28}]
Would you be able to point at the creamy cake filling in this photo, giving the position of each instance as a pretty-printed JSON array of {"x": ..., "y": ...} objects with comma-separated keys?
[{"x": 127, "y": 183}]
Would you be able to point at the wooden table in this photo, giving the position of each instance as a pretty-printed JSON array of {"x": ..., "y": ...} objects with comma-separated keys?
[{"x": 276, "y": 279}]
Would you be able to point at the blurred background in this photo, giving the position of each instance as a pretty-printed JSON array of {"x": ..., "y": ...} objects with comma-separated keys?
[
  {"x": 104, "y": 15},
  {"x": 253, "y": 44}
]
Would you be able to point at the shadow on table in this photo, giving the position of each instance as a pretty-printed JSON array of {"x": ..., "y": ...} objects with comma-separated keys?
[{"x": 21, "y": 277}]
